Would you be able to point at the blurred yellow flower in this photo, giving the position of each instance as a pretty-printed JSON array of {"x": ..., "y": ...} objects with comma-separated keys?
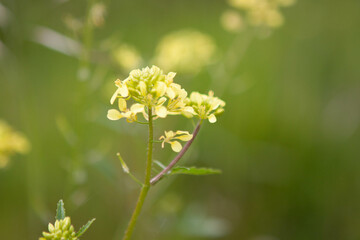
[
  {"x": 186, "y": 51},
  {"x": 127, "y": 57},
  {"x": 262, "y": 13},
  {"x": 232, "y": 21},
  {"x": 170, "y": 137},
  {"x": 206, "y": 106},
  {"x": 11, "y": 142}
]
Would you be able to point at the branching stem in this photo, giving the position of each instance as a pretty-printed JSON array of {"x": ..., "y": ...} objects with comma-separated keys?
[{"x": 178, "y": 157}]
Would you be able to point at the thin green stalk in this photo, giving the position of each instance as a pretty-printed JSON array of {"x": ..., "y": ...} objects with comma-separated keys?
[{"x": 146, "y": 186}]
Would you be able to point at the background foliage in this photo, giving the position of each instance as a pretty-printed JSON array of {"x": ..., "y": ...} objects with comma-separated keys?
[{"x": 287, "y": 144}]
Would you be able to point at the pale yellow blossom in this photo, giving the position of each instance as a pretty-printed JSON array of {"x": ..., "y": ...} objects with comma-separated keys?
[
  {"x": 186, "y": 51},
  {"x": 172, "y": 137},
  {"x": 206, "y": 106},
  {"x": 176, "y": 103},
  {"x": 121, "y": 91},
  {"x": 129, "y": 114}
]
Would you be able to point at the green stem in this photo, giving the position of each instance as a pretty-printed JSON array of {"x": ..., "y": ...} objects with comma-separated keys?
[{"x": 146, "y": 186}]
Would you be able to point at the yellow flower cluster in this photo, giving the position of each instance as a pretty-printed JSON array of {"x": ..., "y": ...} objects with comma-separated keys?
[
  {"x": 61, "y": 230},
  {"x": 262, "y": 12},
  {"x": 206, "y": 106},
  {"x": 185, "y": 51},
  {"x": 11, "y": 142},
  {"x": 150, "y": 88}
]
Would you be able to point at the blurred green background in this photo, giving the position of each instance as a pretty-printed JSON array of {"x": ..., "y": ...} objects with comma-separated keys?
[{"x": 288, "y": 143}]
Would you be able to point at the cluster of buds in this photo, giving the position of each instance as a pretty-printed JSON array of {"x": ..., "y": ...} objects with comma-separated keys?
[
  {"x": 150, "y": 88},
  {"x": 62, "y": 230}
]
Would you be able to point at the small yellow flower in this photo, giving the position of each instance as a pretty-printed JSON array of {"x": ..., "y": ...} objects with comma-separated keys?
[
  {"x": 129, "y": 114},
  {"x": 121, "y": 90},
  {"x": 160, "y": 110},
  {"x": 170, "y": 137},
  {"x": 176, "y": 104},
  {"x": 205, "y": 106}
]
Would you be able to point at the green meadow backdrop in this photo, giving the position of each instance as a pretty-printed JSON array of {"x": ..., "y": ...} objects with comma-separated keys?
[{"x": 288, "y": 143}]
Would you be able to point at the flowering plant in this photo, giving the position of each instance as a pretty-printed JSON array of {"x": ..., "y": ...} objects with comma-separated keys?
[{"x": 150, "y": 93}]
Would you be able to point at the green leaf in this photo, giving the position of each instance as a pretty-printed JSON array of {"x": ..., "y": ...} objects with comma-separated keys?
[
  {"x": 194, "y": 171},
  {"x": 60, "y": 210},
  {"x": 83, "y": 229}
]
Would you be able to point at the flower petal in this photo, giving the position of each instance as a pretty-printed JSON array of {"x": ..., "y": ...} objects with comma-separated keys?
[
  {"x": 178, "y": 132},
  {"x": 190, "y": 110},
  {"x": 114, "y": 96},
  {"x": 170, "y": 76},
  {"x": 170, "y": 93},
  {"x": 161, "y": 101},
  {"x": 212, "y": 118},
  {"x": 196, "y": 97},
  {"x": 169, "y": 135},
  {"x": 124, "y": 92},
  {"x": 182, "y": 93},
  {"x": 161, "y": 111},
  {"x": 176, "y": 146},
  {"x": 185, "y": 138},
  {"x": 160, "y": 89},
  {"x": 137, "y": 108},
  {"x": 114, "y": 114},
  {"x": 219, "y": 110},
  {"x": 143, "y": 89},
  {"x": 122, "y": 104},
  {"x": 146, "y": 116},
  {"x": 122, "y": 88}
]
